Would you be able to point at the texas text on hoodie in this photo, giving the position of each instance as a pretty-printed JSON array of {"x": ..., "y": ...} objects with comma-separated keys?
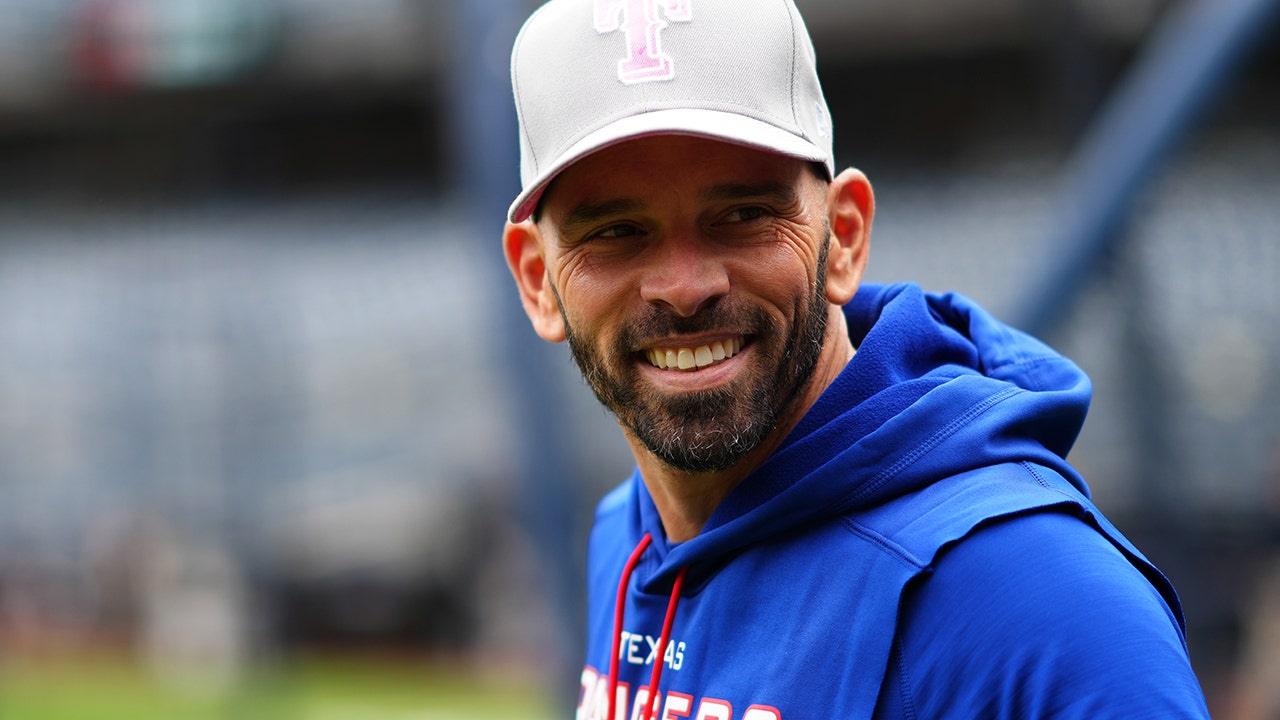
[{"x": 917, "y": 548}]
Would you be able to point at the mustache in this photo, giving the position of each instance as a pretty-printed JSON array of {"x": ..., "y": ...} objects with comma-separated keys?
[{"x": 657, "y": 323}]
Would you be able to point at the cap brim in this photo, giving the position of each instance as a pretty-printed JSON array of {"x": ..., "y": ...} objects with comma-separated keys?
[{"x": 713, "y": 124}]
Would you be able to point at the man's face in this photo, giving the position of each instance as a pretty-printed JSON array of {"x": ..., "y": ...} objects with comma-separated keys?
[{"x": 690, "y": 277}]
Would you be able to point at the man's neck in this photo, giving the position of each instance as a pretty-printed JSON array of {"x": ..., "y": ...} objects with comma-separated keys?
[{"x": 685, "y": 500}]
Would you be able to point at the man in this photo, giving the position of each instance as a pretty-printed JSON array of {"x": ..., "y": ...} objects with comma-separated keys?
[{"x": 811, "y": 531}]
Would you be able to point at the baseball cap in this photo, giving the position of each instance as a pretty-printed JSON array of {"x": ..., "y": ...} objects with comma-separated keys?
[{"x": 587, "y": 74}]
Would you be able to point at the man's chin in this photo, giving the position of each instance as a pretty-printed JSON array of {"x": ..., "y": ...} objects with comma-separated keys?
[
  {"x": 698, "y": 458},
  {"x": 707, "y": 439}
]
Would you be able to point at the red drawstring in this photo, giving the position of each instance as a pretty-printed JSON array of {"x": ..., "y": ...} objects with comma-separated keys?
[
  {"x": 662, "y": 640},
  {"x": 617, "y": 619},
  {"x": 662, "y": 643}
]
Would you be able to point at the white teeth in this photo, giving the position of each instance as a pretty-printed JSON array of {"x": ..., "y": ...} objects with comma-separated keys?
[{"x": 693, "y": 358}]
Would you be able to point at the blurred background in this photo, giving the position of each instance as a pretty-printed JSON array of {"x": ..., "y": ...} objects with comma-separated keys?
[{"x": 276, "y": 440}]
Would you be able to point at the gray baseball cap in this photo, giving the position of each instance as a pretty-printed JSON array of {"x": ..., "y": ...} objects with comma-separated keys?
[{"x": 587, "y": 74}]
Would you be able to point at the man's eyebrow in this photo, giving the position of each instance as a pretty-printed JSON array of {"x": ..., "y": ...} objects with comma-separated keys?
[
  {"x": 589, "y": 213},
  {"x": 779, "y": 192}
]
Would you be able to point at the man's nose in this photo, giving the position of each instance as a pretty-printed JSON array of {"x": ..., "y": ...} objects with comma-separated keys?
[{"x": 684, "y": 275}]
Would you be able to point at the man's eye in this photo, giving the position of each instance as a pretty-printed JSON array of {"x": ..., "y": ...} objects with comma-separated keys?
[
  {"x": 745, "y": 214},
  {"x": 621, "y": 230}
]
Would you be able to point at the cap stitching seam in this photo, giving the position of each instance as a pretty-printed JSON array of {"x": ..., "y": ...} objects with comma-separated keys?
[
  {"x": 795, "y": 117},
  {"x": 515, "y": 87}
]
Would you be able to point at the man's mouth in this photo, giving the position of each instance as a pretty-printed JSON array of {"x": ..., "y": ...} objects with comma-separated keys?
[{"x": 693, "y": 358}]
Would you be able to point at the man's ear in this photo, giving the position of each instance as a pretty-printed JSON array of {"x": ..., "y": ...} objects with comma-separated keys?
[
  {"x": 851, "y": 206},
  {"x": 522, "y": 245}
]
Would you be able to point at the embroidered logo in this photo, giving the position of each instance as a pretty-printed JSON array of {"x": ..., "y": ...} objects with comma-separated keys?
[{"x": 642, "y": 23}]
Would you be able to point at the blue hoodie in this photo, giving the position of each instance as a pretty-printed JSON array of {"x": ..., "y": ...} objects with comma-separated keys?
[{"x": 917, "y": 548}]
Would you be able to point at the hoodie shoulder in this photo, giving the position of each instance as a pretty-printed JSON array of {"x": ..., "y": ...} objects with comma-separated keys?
[
  {"x": 1090, "y": 636},
  {"x": 1014, "y": 556}
]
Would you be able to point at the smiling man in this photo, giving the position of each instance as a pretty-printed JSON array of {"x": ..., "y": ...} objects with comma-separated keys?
[
  {"x": 849, "y": 500},
  {"x": 701, "y": 301}
]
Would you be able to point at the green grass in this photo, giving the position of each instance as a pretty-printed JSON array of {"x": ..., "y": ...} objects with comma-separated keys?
[{"x": 311, "y": 689}]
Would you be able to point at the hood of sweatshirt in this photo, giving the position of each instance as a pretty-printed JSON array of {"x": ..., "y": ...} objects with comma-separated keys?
[{"x": 937, "y": 387}]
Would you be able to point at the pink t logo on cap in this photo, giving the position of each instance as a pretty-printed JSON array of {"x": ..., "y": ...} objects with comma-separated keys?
[{"x": 645, "y": 61}]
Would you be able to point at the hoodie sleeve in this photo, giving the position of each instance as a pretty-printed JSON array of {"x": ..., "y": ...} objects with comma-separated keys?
[{"x": 1038, "y": 616}]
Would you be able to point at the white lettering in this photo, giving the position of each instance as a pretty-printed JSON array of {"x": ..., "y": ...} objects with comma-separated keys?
[
  {"x": 633, "y": 646},
  {"x": 762, "y": 712},
  {"x": 588, "y": 687},
  {"x": 713, "y": 709},
  {"x": 674, "y": 656},
  {"x": 638, "y": 649},
  {"x": 642, "y": 702},
  {"x": 678, "y": 705},
  {"x": 620, "y": 703},
  {"x": 593, "y": 704},
  {"x": 653, "y": 649}
]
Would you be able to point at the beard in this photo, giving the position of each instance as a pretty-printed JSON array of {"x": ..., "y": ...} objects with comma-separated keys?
[{"x": 710, "y": 430}]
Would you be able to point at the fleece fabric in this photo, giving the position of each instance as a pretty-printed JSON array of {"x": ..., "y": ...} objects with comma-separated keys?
[{"x": 918, "y": 547}]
